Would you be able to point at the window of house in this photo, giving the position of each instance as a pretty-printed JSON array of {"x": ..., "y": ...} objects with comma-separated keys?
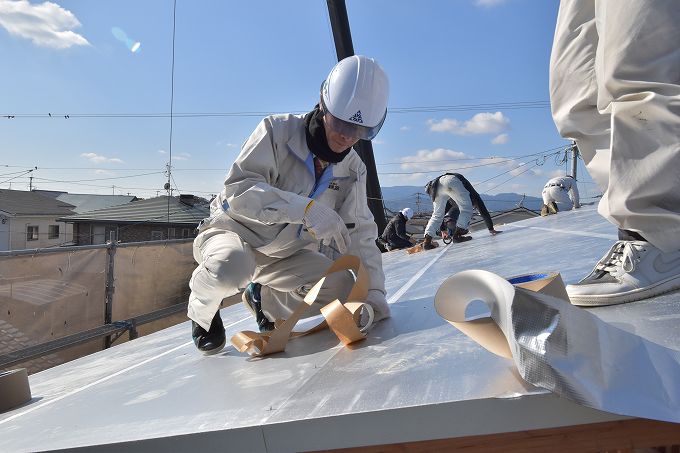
[
  {"x": 31, "y": 233},
  {"x": 186, "y": 233},
  {"x": 171, "y": 233},
  {"x": 156, "y": 235},
  {"x": 53, "y": 232}
]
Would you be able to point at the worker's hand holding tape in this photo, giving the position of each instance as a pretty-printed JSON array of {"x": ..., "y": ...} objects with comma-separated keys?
[{"x": 326, "y": 225}]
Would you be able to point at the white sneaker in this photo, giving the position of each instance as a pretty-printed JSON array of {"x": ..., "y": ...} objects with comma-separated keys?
[{"x": 631, "y": 270}]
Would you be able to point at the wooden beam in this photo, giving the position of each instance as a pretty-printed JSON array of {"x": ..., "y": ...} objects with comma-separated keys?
[{"x": 619, "y": 436}]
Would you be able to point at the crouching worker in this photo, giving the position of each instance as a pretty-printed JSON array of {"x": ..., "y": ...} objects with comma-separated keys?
[
  {"x": 560, "y": 194},
  {"x": 448, "y": 226},
  {"x": 295, "y": 185},
  {"x": 394, "y": 237},
  {"x": 454, "y": 187}
]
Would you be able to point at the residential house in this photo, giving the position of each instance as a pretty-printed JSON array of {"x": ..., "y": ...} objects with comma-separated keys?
[
  {"x": 87, "y": 202},
  {"x": 143, "y": 220},
  {"x": 29, "y": 220}
]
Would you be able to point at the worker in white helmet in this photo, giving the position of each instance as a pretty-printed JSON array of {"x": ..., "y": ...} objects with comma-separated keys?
[
  {"x": 615, "y": 90},
  {"x": 560, "y": 194},
  {"x": 296, "y": 185},
  {"x": 394, "y": 236}
]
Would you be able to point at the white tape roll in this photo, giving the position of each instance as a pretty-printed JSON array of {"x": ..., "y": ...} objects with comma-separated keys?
[{"x": 14, "y": 388}]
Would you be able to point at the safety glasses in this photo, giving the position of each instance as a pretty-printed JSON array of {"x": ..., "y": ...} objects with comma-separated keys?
[{"x": 348, "y": 129}]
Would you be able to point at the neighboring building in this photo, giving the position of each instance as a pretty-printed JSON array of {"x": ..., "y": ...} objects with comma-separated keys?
[
  {"x": 29, "y": 221},
  {"x": 87, "y": 202},
  {"x": 144, "y": 220}
]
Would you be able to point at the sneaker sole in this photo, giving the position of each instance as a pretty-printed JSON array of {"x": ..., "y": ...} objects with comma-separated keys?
[
  {"x": 215, "y": 350},
  {"x": 660, "y": 288}
]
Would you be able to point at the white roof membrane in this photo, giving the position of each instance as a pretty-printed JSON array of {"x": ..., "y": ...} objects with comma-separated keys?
[{"x": 414, "y": 378}]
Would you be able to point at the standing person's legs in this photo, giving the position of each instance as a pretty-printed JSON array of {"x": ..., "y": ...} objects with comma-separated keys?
[
  {"x": 638, "y": 73},
  {"x": 286, "y": 281},
  {"x": 573, "y": 87}
]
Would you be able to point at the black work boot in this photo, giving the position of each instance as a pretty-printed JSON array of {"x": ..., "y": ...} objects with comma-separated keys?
[
  {"x": 253, "y": 300},
  {"x": 211, "y": 341}
]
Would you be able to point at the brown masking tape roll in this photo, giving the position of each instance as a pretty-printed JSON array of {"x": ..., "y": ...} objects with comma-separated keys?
[{"x": 14, "y": 388}]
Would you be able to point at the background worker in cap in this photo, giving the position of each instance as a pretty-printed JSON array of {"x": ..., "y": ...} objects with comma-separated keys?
[
  {"x": 455, "y": 187},
  {"x": 560, "y": 194},
  {"x": 394, "y": 236},
  {"x": 295, "y": 185},
  {"x": 615, "y": 90}
]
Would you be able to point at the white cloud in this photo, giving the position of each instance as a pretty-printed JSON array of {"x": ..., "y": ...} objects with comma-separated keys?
[
  {"x": 161, "y": 151},
  {"x": 182, "y": 156},
  {"x": 97, "y": 159},
  {"x": 481, "y": 123},
  {"x": 405, "y": 128},
  {"x": 430, "y": 160},
  {"x": 103, "y": 172},
  {"x": 489, "y": 3},
  {"x": 225, "y": 143},
  {"x": 45, "y": 24},
  {"x": 376, "y": 141},
  {"x": 500, "y": 139}
]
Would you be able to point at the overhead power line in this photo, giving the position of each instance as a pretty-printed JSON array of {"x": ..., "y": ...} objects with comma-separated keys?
[{"x": 393, "y": 110}]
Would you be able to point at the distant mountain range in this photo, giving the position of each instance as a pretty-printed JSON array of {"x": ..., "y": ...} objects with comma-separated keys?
[{"x": 400, "y": 197}]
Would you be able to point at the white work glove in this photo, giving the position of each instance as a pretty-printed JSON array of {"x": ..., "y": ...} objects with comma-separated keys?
[
  {"x": 326, "y": 225},
  {"x": 376, "y": 299}
]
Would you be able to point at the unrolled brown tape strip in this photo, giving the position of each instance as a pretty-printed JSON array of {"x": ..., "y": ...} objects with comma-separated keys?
[
  {"x": 485, "y": 331},
  {"x": 14, "y": 388},
  {"x": 342, "y": 319}
]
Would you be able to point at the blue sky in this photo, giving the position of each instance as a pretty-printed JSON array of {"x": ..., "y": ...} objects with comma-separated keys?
[{"x": 235, "y": 61}]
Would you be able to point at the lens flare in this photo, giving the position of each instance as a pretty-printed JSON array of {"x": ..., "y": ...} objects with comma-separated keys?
[{"x": 120, "y": 35}]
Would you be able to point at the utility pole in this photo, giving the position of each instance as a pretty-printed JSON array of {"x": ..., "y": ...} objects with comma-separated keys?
[
  {"x": 574, "y": 159},
  {"x": 30, "y": 183},
  {"x": 417, "y": 202},
  {"x": 337, "y": 12}
]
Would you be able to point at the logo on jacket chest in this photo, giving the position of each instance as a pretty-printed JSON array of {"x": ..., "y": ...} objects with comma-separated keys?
[{"x": 333, "y": 185}]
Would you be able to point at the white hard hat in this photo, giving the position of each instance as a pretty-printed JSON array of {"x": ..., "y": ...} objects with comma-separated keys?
[
  {"x": 355, "y": 93},
  {"x": 408, "y": 213}
]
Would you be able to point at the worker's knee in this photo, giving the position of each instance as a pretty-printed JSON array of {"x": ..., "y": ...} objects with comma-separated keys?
[
  {"x": 340, "y": 284},
  {"x": 233, "y": 268}
]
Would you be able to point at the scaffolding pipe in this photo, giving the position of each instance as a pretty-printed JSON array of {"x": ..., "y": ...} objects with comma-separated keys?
[{"x": 342, "y": 36}]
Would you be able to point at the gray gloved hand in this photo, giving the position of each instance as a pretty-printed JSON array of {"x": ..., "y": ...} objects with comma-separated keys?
[
  {"x": 326, "y": 225},
  {"x": 376, "y": 299}
]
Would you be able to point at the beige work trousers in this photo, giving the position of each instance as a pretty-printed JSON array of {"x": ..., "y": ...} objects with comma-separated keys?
[
  {"x": 615, "y": 90},
  {"x": 559, "y": 196},
  {"x": 226, "y": 264}
]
